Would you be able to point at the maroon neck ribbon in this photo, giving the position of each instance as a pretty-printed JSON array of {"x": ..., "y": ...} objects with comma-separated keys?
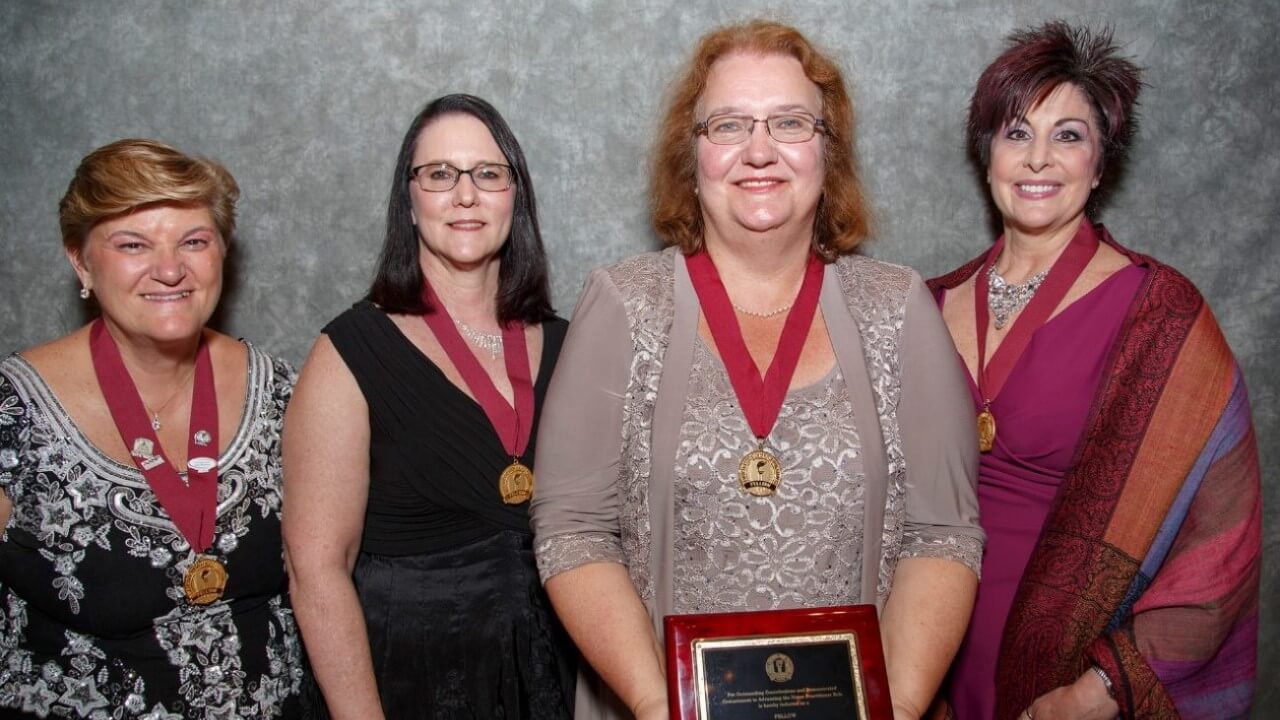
[
  {"x": 513, "y": 425},
  {"x": 1062, "y": 275},
  {"x": 193, "y": 505},
  {"x": 761, "y": 398}
]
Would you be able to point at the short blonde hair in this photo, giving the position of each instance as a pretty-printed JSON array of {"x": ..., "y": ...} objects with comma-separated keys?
[
  {"x": 842, "y": 221},
  {"x": 128, "y": 174}
]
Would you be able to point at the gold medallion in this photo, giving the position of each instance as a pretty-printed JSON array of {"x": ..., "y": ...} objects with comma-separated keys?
[
  {"x": 205, "y": 580},
  {"x": 516, "y": 483},
  {"x": 986, "y": 430},
  {"x": 759, "y": 473}
]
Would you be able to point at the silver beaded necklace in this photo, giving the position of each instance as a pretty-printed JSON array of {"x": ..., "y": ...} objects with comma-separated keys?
[
  {"x": 484, "y": 341},
  {"x": 1006, "y": 298}
]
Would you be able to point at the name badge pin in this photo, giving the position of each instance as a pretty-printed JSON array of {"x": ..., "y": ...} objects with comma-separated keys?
[{"x": 202, "y": 464}]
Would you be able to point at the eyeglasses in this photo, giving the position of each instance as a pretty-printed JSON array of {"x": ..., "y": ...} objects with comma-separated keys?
[
  {"x": 784, "y": 127},
  {"x": 443, "y": 177}
]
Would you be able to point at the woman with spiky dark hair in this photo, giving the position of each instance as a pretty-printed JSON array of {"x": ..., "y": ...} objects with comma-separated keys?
[{"x": 1118, "y": 481}]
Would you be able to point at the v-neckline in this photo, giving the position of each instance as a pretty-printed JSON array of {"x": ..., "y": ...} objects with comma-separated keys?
[
  {"x": 433, "y": 367},
  {"x": 1037, "y": 335},
  {"x": 91, "y": 451}
]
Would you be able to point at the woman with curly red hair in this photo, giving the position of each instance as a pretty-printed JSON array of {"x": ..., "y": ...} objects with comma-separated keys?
[{"x": 678, "y": 476}]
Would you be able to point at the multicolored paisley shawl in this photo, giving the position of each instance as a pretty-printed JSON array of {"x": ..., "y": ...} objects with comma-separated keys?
[{"x": 1148, "y": 562}]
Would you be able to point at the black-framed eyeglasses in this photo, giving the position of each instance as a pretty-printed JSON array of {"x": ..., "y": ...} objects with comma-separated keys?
[
  {"x": 442, "y": 177},
  {"x": 791, "y": 127}
]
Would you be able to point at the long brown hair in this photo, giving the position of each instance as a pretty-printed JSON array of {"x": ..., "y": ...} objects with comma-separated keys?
[{"x": 524, "y": 292}]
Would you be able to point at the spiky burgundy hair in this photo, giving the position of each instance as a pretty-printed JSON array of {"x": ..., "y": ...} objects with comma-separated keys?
[{"x": 1040, "y": 59}]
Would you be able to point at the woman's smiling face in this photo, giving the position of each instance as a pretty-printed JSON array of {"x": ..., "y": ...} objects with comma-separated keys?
[
  {"x": 156, "y": 271},
  {"x": 1045, "y": 165},
  {"x": 465, "y": 226},
  {"x": 761, "y": 184}
]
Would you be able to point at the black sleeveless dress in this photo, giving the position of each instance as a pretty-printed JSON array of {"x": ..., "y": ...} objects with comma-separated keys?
[{"x": 458, "y": 622}]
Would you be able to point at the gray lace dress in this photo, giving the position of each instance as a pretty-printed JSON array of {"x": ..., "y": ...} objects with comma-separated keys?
[
  {"x": 93, "y": 619},
  {"x": 800, "y": 547}
]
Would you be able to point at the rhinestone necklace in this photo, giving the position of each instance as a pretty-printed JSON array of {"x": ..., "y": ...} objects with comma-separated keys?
[
  {"x": 484, "y": 341},
  {"x": 1006, "y": 298}
]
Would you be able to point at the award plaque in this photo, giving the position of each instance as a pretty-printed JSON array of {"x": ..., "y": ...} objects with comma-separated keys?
[{"x": 804, "y": 664}]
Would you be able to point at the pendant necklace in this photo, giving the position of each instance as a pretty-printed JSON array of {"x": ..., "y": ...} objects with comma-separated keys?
[
  {"x": 759, "y": 472},
  {"x": 513, "y": 425},
  {"x": 1040, "y": 303},
  {"x": 155, "y": 414},
  {"x": 191, "y": 505}
]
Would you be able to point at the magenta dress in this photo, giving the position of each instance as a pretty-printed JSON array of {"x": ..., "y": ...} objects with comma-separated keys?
[{"x": 1040, "y": 415}]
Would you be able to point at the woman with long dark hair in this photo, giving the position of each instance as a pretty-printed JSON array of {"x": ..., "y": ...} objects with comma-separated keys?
[{"x": 409, "y": 450}]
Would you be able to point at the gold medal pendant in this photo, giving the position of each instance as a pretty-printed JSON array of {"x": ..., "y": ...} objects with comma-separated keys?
[
  {"x": 516, "y": 483},
  {"x": 759, "y": 473},
  {"x": 205, "y": 580},
  {"x": 986, "y": 430}
]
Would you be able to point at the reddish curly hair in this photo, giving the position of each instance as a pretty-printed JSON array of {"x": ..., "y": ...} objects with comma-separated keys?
[{"x": 843, "y": 219}]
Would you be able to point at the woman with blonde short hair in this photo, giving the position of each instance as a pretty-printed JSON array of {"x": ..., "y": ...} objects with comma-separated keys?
[{"x": 140, "y": 567}]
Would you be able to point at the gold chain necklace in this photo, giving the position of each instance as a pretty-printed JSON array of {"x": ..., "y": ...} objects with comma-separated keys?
[{"x": 155, "y": 414}]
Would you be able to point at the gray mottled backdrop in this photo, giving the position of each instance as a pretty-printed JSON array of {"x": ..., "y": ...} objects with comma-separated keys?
[{"x": 305, "y": 103}]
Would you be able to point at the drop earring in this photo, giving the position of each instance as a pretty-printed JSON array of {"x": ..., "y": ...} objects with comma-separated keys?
[{"x": 84, "y": 293}]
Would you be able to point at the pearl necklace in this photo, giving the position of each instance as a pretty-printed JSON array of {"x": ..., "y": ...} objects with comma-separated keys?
[
  {"x": 769, "y": 314},
  {"x": 484, "y": 341}
]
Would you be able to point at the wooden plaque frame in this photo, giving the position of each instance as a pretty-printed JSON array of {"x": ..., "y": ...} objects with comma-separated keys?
[{"x": 818, "y": 663}]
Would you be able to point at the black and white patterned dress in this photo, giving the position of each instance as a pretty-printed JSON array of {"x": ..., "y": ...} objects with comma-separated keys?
[{"x": 93, "y": 619}]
